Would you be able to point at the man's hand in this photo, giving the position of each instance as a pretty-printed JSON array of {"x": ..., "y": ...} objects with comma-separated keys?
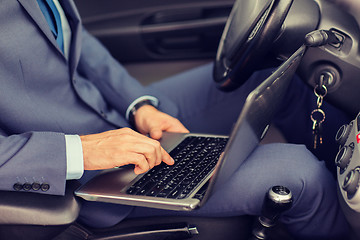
[
  {"x": 149, "y": 120},
  {"x": 121, "y": 147}
]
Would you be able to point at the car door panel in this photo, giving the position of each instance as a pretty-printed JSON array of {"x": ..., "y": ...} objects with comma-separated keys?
[{"x": 156, "y": 30}]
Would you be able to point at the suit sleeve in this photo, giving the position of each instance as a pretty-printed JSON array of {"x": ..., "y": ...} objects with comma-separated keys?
[
  {"x": 33, "y": 162},
  {"x": 111, "y": 78}
]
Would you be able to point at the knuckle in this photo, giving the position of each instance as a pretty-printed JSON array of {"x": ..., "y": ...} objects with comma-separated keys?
[
  {"x": 143, "y": 163},
  {"x": 126, "y": 130},
  {"x": 149, "y": 149},
  {"x": 156, "y": 144},
  {"x": 139, "y": 159}
]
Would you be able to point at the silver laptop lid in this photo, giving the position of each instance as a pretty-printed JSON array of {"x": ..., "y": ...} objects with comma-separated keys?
[{"x": 257, "y": 113}]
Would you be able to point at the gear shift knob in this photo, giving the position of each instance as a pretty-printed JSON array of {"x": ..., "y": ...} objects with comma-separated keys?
[{"x": 277, "y": 200}]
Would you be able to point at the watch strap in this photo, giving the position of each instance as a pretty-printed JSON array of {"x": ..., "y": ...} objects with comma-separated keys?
[{"x": 134, "y": 109}]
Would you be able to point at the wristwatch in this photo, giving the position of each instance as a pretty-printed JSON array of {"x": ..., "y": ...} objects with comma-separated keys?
[{"x": 136, "y": 107}]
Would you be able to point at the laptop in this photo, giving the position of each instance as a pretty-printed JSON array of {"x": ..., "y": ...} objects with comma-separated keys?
[{"x": 186, "y": 185}]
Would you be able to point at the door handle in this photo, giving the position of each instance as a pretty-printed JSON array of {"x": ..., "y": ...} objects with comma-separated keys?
[{"x": 188, "y": 32}]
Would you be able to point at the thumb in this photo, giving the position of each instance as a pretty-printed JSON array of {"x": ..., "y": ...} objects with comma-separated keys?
[{"x": 155, "y": 132}]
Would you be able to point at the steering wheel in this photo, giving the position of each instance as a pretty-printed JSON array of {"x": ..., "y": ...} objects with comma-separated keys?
[{"x": 251, "y": 28}]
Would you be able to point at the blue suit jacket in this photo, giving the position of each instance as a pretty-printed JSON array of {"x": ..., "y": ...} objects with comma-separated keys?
[{"x": 44, "y": 96}]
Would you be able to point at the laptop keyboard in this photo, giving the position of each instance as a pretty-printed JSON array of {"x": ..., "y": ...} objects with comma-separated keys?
[{"x": 195, "y": 158}]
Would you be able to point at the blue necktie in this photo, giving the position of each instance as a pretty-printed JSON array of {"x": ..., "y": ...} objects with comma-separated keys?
[{"x": 52, "y": 16}]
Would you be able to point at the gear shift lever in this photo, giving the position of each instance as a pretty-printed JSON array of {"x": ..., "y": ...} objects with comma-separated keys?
[{"x": 277, "y": 200}]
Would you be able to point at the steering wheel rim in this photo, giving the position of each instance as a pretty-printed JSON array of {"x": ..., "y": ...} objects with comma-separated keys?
[{"x": 250, "y": 30}]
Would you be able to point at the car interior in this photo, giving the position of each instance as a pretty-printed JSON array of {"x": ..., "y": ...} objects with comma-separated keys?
[{"x": 156, "y": 39}]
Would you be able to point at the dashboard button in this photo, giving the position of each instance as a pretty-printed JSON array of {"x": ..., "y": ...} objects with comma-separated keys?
[
  {"x": 351, "y": 182},
  {"x": 343, "y": 157},
  {"x": 343, "y": 133}
]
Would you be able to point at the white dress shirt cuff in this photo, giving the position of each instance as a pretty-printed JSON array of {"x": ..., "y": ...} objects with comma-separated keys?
[
  {"x": 74, "y": 157},
  {"x": 153, "y": 100}
]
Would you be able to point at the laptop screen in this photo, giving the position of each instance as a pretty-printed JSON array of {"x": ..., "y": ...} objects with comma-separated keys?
[{"x": 260, "y": 107}]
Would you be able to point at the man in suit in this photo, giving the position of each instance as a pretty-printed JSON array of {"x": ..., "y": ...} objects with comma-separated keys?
[{"x": 66, "y": 108}]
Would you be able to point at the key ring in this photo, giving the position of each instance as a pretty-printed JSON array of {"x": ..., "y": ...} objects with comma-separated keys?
[
  {"x": 318, "y": 115},
  {"x": 319, "y": 111},
  {"x": 320, "y": 97},
  {"x": 319, "y": 94}
]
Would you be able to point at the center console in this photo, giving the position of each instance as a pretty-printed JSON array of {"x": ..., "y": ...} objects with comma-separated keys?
[{"x": 347, "y": 161}]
